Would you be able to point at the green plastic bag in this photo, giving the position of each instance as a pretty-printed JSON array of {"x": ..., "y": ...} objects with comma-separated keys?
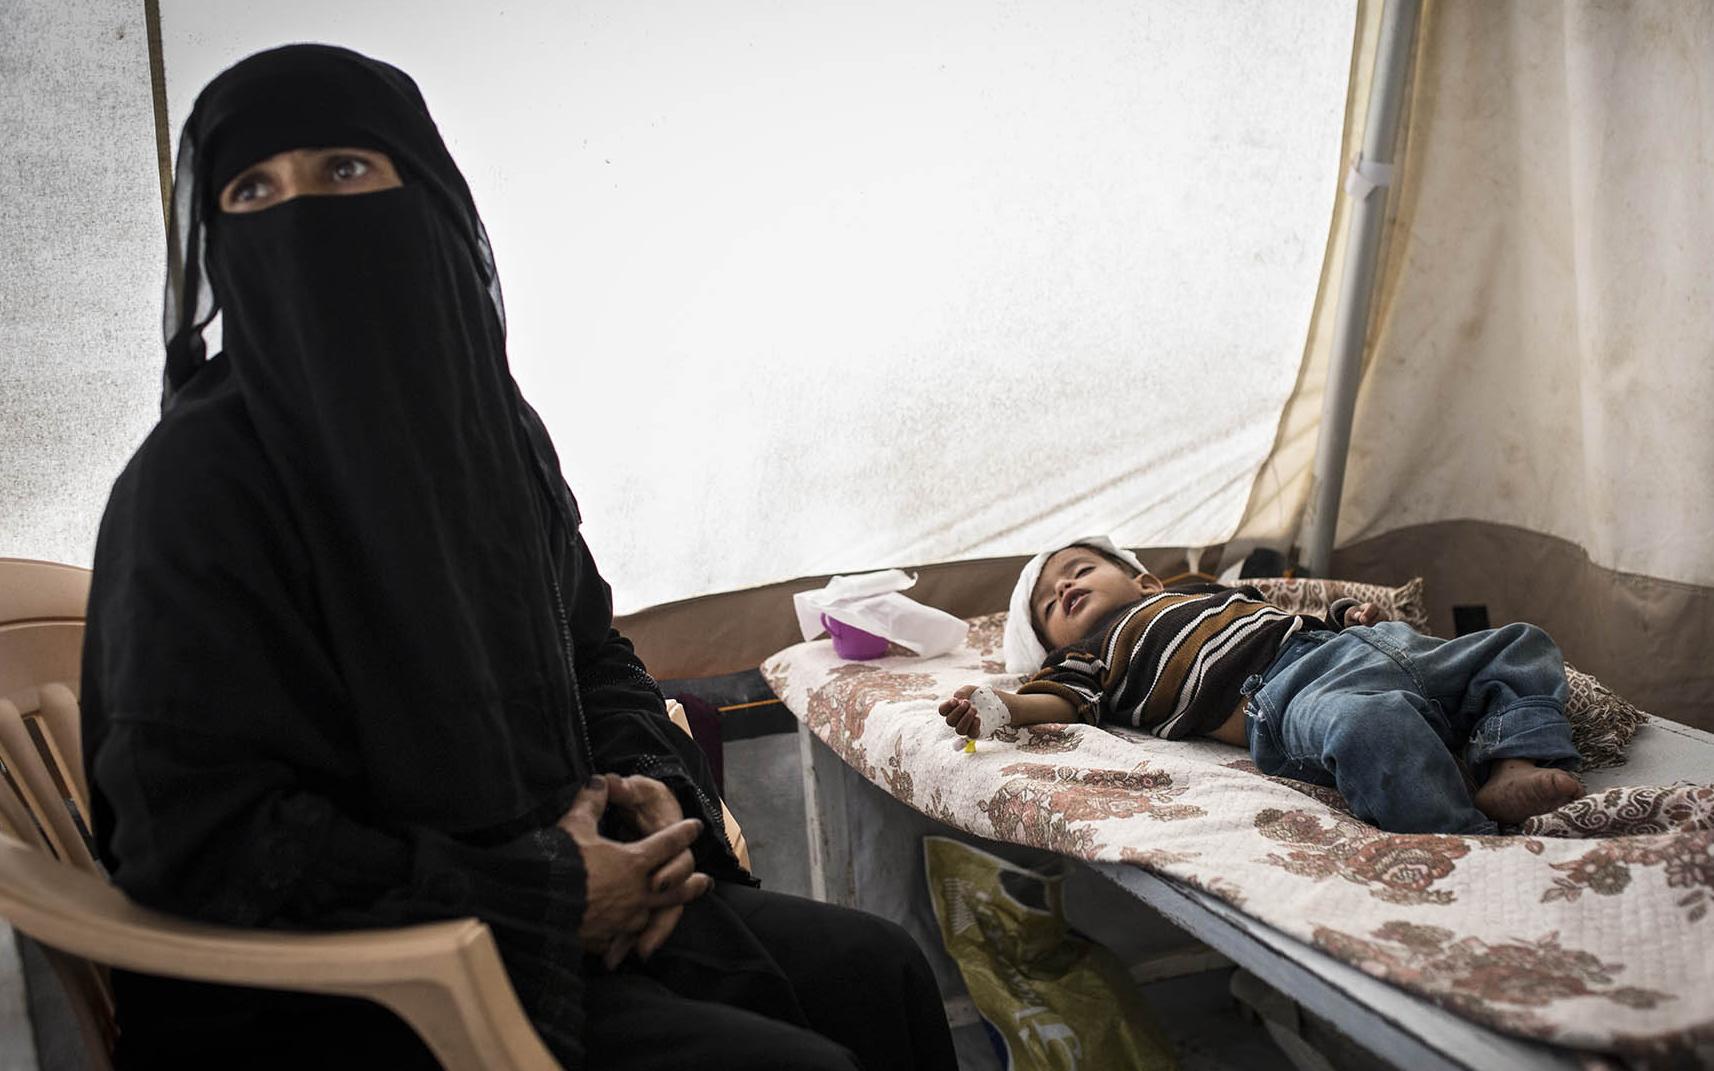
[{"x": 1052, "y": 1001}]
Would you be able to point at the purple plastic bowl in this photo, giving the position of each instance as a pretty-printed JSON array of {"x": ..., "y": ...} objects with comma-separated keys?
[{"x": 852, "y": 643}]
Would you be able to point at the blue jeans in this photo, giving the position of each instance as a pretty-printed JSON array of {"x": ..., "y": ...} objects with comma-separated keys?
[{"x": 1381, "y": 713}]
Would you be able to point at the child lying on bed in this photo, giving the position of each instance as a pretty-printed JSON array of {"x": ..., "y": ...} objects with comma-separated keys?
[{"x": 1369, "y": 706}]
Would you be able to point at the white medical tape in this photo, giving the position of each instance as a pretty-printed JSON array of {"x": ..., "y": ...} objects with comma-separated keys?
[
  {"x": 991, "y": 712},
  {"x": 1367, "y": 176}
]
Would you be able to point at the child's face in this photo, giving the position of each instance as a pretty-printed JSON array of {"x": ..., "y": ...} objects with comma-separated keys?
[{"x": 1078, "y": 587}]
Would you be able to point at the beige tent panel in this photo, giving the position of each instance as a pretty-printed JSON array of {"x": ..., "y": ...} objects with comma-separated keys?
[
  {"x": 1544, "y": 352},
  {"x": 1532, "y": 430}
]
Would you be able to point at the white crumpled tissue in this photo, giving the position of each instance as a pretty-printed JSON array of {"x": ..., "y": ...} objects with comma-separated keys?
[{"x": 871, "y": 602}]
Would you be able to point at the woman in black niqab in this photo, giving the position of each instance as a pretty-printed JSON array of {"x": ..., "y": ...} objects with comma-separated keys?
[{"x": 348, "y": 661}]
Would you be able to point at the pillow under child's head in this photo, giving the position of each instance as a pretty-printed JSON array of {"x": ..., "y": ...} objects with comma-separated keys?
[{"x": 1024, "y": 649}]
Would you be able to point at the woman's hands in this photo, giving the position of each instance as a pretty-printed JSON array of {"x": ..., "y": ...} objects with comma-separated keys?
[
  {"x": 636, "y": 891},
  {"x": 651, "y": 807},
  {"x": 647, "y": 803}
]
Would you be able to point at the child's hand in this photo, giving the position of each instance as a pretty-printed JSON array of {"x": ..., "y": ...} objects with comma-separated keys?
[
  {"x": 1366, "y": 613},
  {"x": 959, "y": 713}
]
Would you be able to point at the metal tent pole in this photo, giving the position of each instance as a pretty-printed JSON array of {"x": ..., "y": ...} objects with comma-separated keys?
[{"x": 1368, "y": 183}]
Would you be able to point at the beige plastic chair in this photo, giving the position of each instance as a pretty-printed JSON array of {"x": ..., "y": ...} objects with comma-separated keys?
[
  {"x": 445, "y": 979},
  {"x": 734, "y": 835}
]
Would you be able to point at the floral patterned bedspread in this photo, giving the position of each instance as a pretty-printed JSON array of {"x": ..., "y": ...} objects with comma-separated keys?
[{"x": 1601, "y": 944}]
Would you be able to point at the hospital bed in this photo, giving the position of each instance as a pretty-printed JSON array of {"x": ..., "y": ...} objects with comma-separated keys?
[{"x": 863, "y": 851}]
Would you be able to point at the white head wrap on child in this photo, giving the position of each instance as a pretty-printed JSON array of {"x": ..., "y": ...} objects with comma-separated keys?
[{"x": 1024, "y": 652}]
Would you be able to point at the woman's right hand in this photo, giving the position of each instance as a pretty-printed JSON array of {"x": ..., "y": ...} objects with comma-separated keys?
[{"x": 628, "y": 882}]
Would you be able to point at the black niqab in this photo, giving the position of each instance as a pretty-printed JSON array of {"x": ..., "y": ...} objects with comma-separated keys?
[
  {"x": 365, "y": 338},
  {"x": 300, "y": 96}
]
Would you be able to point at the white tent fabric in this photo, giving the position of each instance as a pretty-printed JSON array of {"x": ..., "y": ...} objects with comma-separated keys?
[
  {"x": 1282, "y": 486},
  {"x": 877, "y": 285},
  {"x": 80, "y": 284}
]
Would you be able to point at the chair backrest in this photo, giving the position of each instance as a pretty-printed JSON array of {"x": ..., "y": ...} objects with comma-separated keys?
[
  {"x": 734, "y": 835},
  {"x": 44, "y": 799}
]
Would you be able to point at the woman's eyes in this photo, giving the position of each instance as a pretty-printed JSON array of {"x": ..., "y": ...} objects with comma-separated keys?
[
  {"x": 307, "y": 172},
  {"x": 249, "y": 188},
  {"x": 346, "y": 168}
]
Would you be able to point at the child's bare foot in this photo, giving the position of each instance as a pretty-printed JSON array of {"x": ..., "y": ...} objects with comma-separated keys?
[{"x": 1518, "y": 789}]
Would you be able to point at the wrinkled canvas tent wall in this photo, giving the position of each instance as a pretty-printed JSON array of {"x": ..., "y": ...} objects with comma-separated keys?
[{"x": 1532, "y": 430}]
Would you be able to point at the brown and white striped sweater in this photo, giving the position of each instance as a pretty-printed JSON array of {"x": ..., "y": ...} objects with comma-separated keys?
[{"x": 1173, "y": 663}]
